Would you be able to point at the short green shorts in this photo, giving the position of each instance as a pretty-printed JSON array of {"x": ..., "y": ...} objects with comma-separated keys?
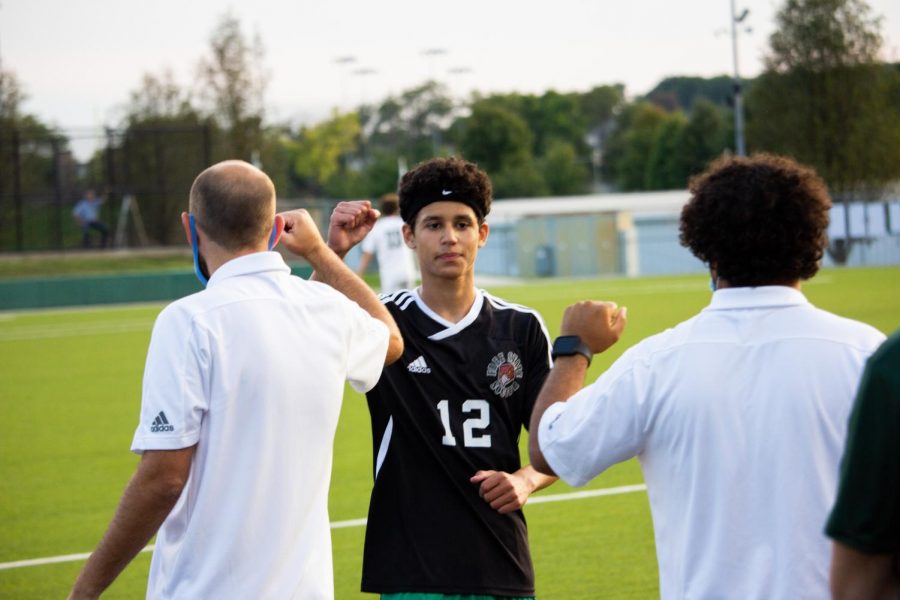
[{"x": 418, "y": 596}]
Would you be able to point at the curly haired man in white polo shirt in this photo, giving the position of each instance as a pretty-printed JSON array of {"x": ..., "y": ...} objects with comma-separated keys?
[
  {"x": 241, "y": 396},
  {"x": 737, "y": 415}
]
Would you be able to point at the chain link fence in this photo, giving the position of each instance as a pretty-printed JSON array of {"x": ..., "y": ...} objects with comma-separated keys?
[{"x": 143, "y": 176}]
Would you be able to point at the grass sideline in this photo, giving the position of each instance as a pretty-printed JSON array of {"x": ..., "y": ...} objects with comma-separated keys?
[
  {"x": 100, "y": 262},
  {"x": 71, "y": 394},
  {"x": 93, "y": 262}
]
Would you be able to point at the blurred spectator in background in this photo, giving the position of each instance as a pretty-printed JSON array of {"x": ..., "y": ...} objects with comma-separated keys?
[{"x": 87, "y": 213}]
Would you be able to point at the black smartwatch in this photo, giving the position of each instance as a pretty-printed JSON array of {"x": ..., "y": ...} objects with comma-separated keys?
[{"x": 570, "y": 345}]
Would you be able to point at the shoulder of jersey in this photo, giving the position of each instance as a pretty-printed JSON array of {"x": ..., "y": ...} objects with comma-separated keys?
[
  {"x": 520, "y": 311},
  {"x": 501, "y": 304},
  {"x": 401, "y": 298}
]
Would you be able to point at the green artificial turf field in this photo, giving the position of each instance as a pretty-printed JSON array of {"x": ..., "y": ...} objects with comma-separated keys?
[{"x": 69, "y": 399}]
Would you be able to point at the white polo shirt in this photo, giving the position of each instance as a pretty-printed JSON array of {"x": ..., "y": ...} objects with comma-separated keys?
[
  {"x": 396, "y": 267},
  {"x": 738, "y": 417},
  {"x": 252, "y": 371}
]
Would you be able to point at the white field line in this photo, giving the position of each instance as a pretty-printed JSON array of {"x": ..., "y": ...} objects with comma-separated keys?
[
  {"x": 43, "y": 332},
  {"x": 350, "y": 523},
  {"x": 625, "y": 489},
  {"x": 89, "y": 308}
]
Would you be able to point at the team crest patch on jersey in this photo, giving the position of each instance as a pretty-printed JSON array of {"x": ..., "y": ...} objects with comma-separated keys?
[{"x": 506, "y": 368}]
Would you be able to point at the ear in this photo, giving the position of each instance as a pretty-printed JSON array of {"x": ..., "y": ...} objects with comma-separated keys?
[
  {"x": 483, "y": 230},
  {"x": 186, "y": 223},
  {"x": 409, "y": 237}
]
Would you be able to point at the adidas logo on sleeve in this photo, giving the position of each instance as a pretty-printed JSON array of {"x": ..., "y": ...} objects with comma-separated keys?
[
  {"x": 161, "y": 424},
  {"x": 418, "y": 366}
]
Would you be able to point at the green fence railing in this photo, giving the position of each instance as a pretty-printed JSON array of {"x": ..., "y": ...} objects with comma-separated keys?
[{"x": 49, "y": 292}]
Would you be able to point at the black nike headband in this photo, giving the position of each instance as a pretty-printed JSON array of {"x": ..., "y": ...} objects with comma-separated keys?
[{"x": 411, "y": 205}]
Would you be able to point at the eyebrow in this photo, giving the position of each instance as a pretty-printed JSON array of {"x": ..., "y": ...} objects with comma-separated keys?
[{"x": 457, "y": 217}]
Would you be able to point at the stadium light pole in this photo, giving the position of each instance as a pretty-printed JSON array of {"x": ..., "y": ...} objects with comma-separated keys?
[
  {"x": 430, "y": 53},
  {"x": 343, "y": 62},
  {"x": 362, "y": 73},
  {"x": 459, "y": 72},
  {"x": 739, "y": 146}
]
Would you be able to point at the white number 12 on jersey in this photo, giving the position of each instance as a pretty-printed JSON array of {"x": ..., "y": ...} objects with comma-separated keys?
[{"x": 471, "y": 437}]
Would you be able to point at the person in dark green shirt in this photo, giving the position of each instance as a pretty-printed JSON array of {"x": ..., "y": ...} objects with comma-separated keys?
[{"x": 865, "y": 520}]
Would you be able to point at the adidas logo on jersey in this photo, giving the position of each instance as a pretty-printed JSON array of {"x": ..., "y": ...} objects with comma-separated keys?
[
  {"x": 418, "y": 366},
  {"x": 161, "y": 423}
]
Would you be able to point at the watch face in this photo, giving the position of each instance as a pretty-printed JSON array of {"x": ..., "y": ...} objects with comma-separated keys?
[{"x": 566, "y": 345}]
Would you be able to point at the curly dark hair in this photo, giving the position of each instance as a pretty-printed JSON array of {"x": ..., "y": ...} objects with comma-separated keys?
[
  {"x": 388, "y": 204},
  {"x": 757, "y": 221},
  {"x": 442, "y": 179}
]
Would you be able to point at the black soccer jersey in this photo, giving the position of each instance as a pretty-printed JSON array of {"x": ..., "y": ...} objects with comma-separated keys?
[{"x": 455, "y": 403}]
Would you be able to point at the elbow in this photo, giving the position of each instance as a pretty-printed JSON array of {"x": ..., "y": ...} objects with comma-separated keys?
[
  {"x": 395, "y": 348},
  {"x": 163, "y": 485},
  {"x": 838, "y": 592},
  {"x": 537, "y": 457},
  {"x": 843, "y": 589},
  {"x": 541, "y": 466},
  {"x": 163, "y": 474},
  {"x": 168, "y": 489},
  {"x": 858, "y": 574}
]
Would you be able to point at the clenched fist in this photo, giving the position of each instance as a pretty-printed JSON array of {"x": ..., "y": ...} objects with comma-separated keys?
[{"x": 598, "y": 324}]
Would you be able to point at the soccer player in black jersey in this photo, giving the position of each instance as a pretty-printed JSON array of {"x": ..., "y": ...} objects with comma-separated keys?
[{"x": 445, "y": 517}]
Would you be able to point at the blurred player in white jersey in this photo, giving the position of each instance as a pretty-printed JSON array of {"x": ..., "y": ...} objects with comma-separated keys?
[{"x": 395, "y": 261}]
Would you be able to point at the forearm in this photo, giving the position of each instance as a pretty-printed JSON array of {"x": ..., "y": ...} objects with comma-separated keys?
[
  {"x": 565, "y": 379},
  {"x": 331, "y": 270},
  {"x": 536, "y": 479},
  {"x": 856, "y": 574},
  {"x": 143, "y": 508}
]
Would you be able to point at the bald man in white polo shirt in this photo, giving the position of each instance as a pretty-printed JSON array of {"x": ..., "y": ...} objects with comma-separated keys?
[
  {"x": 737, "y": 415},
  {"x": 241, "y": 396}
]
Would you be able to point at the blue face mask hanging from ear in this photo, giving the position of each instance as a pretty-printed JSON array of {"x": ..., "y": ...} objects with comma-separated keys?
[
  {"x": 200, "y": 269},
  {"x": 713, "y": 281},
  {"x": 272, "y": 237}
]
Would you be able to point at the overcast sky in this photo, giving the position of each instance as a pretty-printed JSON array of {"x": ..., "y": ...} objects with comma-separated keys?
[{"x": 79, "y": 59}]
